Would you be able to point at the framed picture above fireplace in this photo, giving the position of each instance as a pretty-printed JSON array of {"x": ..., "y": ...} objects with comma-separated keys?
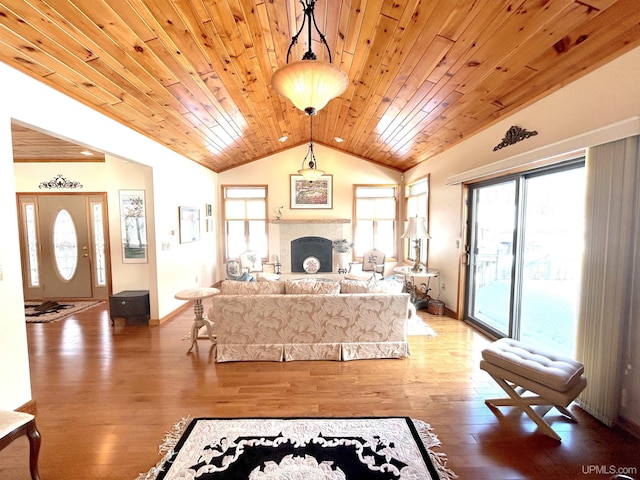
[{"x": 310, "y": 195}]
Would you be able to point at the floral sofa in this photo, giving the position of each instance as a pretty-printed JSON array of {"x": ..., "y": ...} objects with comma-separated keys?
[{"x": 310, "y": 320}]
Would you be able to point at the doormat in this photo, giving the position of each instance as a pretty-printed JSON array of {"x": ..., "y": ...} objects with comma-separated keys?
[
  {"x": 372, "y": 448},
  {"x": 50, "y": 311}
]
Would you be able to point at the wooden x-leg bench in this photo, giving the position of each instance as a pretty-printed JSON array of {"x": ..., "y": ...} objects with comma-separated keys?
[{"x": 552, "y": 380}]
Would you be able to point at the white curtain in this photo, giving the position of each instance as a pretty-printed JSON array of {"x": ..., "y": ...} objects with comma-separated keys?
[{"x": 612, "y": 208}]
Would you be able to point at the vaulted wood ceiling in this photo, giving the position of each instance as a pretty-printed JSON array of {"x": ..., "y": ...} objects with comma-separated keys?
[{"x": 195, "y": 74}]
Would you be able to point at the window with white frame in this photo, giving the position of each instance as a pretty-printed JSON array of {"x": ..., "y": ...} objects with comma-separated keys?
[
  {"x": 416, "y": 204},
  {"x": 375, "y": 213},
  {"x": 245, "y": 219}
]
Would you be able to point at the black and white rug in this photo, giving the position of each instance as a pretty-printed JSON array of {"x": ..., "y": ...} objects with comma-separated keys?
[
  {"x": 50, "y": 311},
  {"x": 360, "y": 448}
]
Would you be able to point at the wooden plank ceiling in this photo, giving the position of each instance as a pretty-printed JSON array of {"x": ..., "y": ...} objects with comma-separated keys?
[
  {"x": 34, "y": 146},
  {"x": 195, "y": 74}
]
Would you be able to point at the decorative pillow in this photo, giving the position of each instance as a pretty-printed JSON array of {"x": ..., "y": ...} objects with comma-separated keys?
[
  {"x": 251, "y": 261},
  {"x": 245, "y": 277},
  {"x": 230, "y": 287},
  {"x": 312, "y": 287}
]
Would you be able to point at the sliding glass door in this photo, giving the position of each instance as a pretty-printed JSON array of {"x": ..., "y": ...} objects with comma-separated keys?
[
  {"x": 525, "y": 254},
  {"x": 494, "y": 216}
]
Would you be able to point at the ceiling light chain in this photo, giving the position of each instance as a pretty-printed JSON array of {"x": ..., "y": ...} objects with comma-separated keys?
[
  {"x": 309, "y": 83},
  {"x": 308, "y": 14},
  {"x": 312, "y": 172}
]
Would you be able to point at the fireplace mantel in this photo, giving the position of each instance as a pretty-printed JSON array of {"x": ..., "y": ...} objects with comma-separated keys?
[{"x": 302, "y": 221}]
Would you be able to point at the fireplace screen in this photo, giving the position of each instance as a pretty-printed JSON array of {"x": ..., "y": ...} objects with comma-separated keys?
[{"x": 318, "y": 247}]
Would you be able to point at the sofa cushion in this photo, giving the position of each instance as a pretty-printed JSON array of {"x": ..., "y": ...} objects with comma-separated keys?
[
  {"x": 386, "y": 286},
  {"x": 312, "y": 286},
  {"x": 354, "y": 286},
  {"x": 267, "y": 276},
  {"x": 230, "y": 287},
  {"x": 370, "y": 286}
]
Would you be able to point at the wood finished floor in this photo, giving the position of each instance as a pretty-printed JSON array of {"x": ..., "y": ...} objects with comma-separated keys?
[{"x": 107, "y": 395}]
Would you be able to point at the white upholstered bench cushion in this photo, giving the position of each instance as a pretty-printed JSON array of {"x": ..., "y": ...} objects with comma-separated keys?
[
  {"x": 10, "y": 420},
  {"x": 544, "y": 367}
]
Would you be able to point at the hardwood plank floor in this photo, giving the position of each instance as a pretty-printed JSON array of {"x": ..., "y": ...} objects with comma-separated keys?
[{"x": 106, "y": 396}]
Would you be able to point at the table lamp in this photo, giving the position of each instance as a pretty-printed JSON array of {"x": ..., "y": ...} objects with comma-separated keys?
[{"x": 417, "y": 231}]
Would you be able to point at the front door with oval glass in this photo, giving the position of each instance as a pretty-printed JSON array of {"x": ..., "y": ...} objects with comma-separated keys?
[{"x": 63, "y": 246}]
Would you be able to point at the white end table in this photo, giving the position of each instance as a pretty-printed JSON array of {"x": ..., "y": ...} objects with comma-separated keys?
[
  {"x": 200, "y": 320},
  {"x": 412, "y": 281}
]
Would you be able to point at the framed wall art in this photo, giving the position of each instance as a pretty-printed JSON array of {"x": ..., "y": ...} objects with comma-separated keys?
[
  {"x": 133, "y": 226},
  {"x": 189, "y": 224},
  {"x": 317, "y": 194}
]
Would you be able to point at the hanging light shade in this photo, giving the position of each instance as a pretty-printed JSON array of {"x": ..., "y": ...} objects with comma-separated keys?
[
  {"x": 309, "y": 83},
  {"x": 311, "y": 172}
]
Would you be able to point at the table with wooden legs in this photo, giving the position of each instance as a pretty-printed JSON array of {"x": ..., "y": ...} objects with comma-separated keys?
[{"x": 198, "y": 294}]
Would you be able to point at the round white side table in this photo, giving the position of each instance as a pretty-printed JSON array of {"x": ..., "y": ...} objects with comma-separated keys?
[
  {"x": 198, "y": 294},
  {"x": 412, "y": 282}
]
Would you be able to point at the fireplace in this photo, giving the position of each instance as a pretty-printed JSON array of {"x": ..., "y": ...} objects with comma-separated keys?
[
  {"x": 283, "y": 232},
  {"x": 310, "y": 246}
]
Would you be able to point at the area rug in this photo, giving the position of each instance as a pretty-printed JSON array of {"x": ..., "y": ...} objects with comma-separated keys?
[
  {"x": 416, "y": 326},
  {"x": 360, "y": 448},
  {"x": 50, "y": 311}
]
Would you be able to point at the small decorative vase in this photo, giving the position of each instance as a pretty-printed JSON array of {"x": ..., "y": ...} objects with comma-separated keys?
[{"x": 342, "y": 262}]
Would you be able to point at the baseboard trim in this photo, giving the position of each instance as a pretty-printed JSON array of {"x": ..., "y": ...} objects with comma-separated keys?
[
  {"x": 29, "y": 407},
  {"x": 629, "y": 426},
  {"x": 170, "y": 316}
]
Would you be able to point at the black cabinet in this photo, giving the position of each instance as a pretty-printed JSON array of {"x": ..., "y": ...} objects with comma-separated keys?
[{"x": 132, "y": 305}]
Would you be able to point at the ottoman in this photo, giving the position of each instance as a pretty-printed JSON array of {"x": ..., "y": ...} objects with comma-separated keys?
[{"x": 552, "y": 380}]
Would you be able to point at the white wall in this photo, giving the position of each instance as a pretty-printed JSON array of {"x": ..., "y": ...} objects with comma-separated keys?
[
  {"x": 346, "y": 169},
  {"x": 15, "y": 387},
  {"x": 187, "y": 265},
  {"x": 171, "y": 181}
]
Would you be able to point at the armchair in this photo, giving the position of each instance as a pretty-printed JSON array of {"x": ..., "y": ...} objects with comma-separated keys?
[
  {"x": 234, "y": 272},
  {"x": 372, "y": 264},
  {"x": 249, "y": 267}
]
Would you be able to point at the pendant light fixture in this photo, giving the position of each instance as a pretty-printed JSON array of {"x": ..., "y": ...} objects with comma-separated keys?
[
  {"x": 309, "y": 83},
  {"x": 310, "y": 173}
]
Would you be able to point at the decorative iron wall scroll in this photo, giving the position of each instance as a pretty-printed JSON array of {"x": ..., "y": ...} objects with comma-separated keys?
[
  {"x": 514, "y": 135},
  {"x": 60, "y": 182}
]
